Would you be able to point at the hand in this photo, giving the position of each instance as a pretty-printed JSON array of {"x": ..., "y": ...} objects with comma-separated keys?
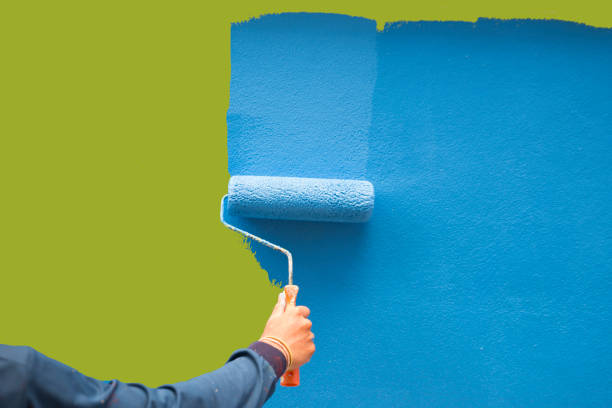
[{"x": 290, "y": 323}]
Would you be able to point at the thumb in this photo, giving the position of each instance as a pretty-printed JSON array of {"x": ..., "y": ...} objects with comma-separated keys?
[{"x": 279, "y": 307}]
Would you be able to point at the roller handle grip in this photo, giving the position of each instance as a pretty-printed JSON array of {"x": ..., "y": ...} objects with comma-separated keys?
[{"x": 291, "y": 378}]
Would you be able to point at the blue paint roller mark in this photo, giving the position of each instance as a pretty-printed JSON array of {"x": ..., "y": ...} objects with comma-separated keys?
[
  {"x": 483, "y": 277},
  {"x": 293, "y": 76}
]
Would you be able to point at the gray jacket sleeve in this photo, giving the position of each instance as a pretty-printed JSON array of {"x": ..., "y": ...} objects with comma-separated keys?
[{"x": 30, "y": 379}]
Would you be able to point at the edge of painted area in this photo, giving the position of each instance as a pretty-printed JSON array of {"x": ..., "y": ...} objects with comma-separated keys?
[
  {"x": 383, "y": 25},
  {"x": 592, "y": 13},
  {"x": 392, "y": 24}
]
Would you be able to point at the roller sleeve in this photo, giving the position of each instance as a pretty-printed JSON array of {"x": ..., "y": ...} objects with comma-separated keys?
[{"x": 303, "y": 199}]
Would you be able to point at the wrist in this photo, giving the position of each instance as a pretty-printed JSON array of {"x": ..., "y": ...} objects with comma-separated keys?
[
  {"x": 273, "y": 355},
  {"x": 277, "y": 346},
  {"x": 280, "y": 345}
]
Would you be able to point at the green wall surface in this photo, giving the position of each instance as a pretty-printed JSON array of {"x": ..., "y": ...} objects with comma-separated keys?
[{"x": 112, "y": 162}]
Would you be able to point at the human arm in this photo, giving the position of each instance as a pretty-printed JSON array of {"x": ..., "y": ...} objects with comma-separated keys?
[{"x": 30, "y": 379}]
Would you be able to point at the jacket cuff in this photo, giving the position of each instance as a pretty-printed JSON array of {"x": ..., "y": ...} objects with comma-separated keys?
[{"x": 272, "y": 355}]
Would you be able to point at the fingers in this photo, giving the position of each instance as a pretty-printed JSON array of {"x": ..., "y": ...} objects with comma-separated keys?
[
  {"x": 303, "y": 311},
  {"x": 308, "y": 324},
  {"x": 281, "y": 305}
]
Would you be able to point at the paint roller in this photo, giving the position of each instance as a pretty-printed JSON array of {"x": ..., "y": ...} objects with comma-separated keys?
[{"x": 301, "y": 199}]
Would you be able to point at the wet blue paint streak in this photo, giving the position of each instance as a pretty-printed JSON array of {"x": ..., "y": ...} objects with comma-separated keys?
[
  {"x": 484, "y": 276},
  {"x": 293, "y": 78}
]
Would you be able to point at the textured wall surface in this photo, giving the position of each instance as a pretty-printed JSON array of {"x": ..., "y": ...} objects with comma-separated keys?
[{"x": 484, "y": 276}]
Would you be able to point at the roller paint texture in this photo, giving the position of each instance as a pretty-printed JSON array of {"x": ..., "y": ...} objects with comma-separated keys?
[{"x": 303, "y": 199}]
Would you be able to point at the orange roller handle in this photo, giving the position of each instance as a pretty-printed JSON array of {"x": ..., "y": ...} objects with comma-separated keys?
[{"x": 291, "y": 378}]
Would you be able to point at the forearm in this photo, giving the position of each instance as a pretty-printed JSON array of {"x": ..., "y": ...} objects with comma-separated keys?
[{"x": 247, "y": 380}]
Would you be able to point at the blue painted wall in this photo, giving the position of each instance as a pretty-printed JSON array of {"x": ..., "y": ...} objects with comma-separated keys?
[{"x": 484, "y": 276}]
